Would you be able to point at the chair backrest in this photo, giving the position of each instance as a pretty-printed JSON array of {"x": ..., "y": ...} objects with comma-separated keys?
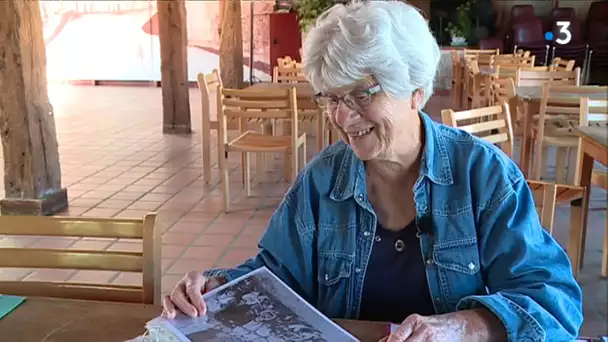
[
  {"x": 147, "y": 261},
  {"x": 482, "y": 57},
  {"x": 594, "y": 112},
  {"x": 513, "y": 59},
  {"x": 208, "y": 83},
  {"x": 245, "y": 105},
  {"x": 291, "y": 74},
  {"x": 548, "y": 195},
  {"x": 285, "y": 62},
  {"x": 527, "y": 77},
  {"x": 559, "y": 64},
  {"x": 503, "y": 90},
  {"x": 492, "y": 124},
  {"x": 560, "y": 108}
]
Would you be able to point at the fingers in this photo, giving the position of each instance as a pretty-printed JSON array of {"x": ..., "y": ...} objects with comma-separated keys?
[
  {"x": 404, "y": 330},
  {"x": 179, "y": 298},
  {"x": 195, "y": 286},
  {"x": 169, "y": 311}
]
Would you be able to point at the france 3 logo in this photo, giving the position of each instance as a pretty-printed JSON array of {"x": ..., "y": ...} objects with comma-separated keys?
[{"x": 564, "y": 35}]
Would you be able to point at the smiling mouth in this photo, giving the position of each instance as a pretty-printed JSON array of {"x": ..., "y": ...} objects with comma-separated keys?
[{"x": 360, "y": 134}]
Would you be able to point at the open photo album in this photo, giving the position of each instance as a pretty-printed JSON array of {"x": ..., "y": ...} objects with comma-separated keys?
[{"x": 255, "y": 307}]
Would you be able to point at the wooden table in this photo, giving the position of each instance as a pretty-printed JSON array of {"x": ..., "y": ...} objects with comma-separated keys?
[
  {"x": 531, "y": 96},
  {"x": 65, "y": 320},
  {"x": 593, "y": 146}
]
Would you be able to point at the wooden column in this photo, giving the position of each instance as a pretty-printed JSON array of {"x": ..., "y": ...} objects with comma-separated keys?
[
  {"x": 173, "y": 37},
  {"x": 32, "y": 173},
  {"x": 231, "y": 44}
]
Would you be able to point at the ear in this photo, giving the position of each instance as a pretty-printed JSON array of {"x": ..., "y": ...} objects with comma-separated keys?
[{"x": 416, "y": 99}]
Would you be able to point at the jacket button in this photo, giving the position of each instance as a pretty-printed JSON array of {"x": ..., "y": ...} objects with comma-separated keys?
[
  {"x": 326, "y": 277},
  {"x": 429, "y": 261},
  {"x": 360, "y": 197},
  {"x": 366, "y": 233},
  {"x": 472, "y": 266},
  {"x": 357, "y": 270}
]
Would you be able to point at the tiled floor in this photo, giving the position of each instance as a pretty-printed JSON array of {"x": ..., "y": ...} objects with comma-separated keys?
[{"x": 117, "y": 163}]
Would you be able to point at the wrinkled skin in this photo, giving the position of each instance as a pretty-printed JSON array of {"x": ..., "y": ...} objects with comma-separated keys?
[
  {"x": 187, "y": 296},
  {"x": 469, "y": 325}
]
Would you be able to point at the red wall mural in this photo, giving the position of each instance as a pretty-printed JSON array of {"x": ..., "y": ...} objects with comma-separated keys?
[{"x": 118, "y": 40}]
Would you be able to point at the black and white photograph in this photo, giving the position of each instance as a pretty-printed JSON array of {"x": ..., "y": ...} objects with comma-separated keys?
[{"x": 258, "y": 308}]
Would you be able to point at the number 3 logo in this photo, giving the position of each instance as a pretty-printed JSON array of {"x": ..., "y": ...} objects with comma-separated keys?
[{"x": 564, "y": 28}]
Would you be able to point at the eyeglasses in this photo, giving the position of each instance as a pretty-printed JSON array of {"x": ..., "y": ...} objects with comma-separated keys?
[{"x": 355, "y": 100}]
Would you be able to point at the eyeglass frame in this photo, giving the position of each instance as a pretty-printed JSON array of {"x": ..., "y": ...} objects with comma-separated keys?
[{"x": 369, "y": 92}]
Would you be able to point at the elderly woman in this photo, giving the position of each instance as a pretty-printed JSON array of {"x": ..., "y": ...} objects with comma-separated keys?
[{"x": 405, "y": 220}]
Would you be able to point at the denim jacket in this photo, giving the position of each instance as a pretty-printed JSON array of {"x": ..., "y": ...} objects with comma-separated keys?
[{"x": 484, "y": 246}]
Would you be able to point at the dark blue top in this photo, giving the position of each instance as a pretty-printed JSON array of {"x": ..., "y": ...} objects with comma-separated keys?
[{"x": 395, "y": 283}]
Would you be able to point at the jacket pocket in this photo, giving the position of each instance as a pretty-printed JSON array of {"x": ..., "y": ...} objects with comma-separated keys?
[
  {"x": 334, "y": 278},
  {"x": 459, "y": 269}
]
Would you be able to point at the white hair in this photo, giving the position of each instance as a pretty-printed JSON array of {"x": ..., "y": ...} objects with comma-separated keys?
[{"x": 389, "y": 40}]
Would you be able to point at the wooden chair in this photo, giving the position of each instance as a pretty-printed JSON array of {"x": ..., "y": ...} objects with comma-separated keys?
[
  {"x": 559, "y": 64},
  {"x": 474, "y": 86},
  {"x": 531, "y": 77},
  {"x": 245, "y": 105},
  {"x": 457, "y": 82},
  {"x": 147, "y": 262},
  {"x": 546, "y": 197},
  {"x": 290, "y": 74},
  {"x": 513, "y": 59},
  {"x": 207, "y": 84},
  {"x": 554, "y": 126},
  {"x": 492, "y": 124},
  {"x": 483, "y": 57}
]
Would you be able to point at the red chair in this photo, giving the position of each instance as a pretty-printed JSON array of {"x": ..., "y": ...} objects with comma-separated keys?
[
  {"x": 598, "y": 49},
  {"x": 576, "y": 49},
  {"x": 491, "y": 44},
  {"x": 518, "y": 14},
  {"x": 528, "y": 35},
  {"x": 597, "y": 13}
]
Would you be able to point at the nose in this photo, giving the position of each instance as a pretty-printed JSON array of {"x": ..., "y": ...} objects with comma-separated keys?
[{"x": 343, "y": 114}]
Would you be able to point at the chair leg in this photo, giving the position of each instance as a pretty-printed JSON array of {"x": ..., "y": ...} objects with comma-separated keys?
[
  {"x": 206, "y": 146},
  {"x": 247, "y": 172},
  {"x": 303, "y": 158},
  {"x": 538, "y": 156},
  {"x": 544, "y": 163},
  {"x": 225, "y": 181},
  {"x": 571, "y": 170},
  {"x": 605, "y": 250},
  {"x": 320, "y": 132},
  {"x": 560, "y": 164}
]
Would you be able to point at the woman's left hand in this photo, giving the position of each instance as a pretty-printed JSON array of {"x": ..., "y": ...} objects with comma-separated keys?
[{"x": 467, "y": 325}]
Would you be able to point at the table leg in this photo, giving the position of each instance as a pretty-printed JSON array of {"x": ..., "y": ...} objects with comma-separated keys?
[{"x": 579, "y": 212}]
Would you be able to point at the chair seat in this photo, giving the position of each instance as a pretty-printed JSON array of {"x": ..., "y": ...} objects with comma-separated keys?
[
  {"x": 600, "y": 177},
  {"x": 256, "y": 142}
]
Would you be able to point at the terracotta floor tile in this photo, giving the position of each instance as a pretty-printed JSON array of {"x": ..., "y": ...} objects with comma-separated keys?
[
  {"x": 169, "y": 281},
  {"x": 17, "y": 241},
  {"x": 137, "y": 214},
  {"x": 128, "y": 278},
  {"x": 172, "y": 251},
  {"x": 13, "y": 274},
  {"x": 247, "y": 241},
  {"x": 50, "y": 242},
  {"x": 50, "y": 275},
  {"x": 115, "y": 204},
  {"x": 188, "y": 227},
  {"x": 125, "y": 247},
  {"x": 226, "y": 263},
  {"x": 225, "y": 228},
  {"x": 101, "y": 212},
  {"x": 166, "y": 263},
  {"x": 85, "y": 202},
  {"x": 123, "y": 195},
  {"x": 240, "y": 254},
  {"x": 73, "y": 211},
  {"x": 96, "y": 277},
  {"x": 145, "y": 205},
  {"x": 98, "y": 245},
  {"x": 182, "y": 266},
  {"x": 98, "y": 194},
  {"x": 156, "y": 197},
  {"x": 216, "y": 240},
  {"x": 203, "y": 253},
  {"x": 180, "y": 239}
]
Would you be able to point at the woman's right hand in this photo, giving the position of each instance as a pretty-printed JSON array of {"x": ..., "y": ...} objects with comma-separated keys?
[{"x": 187, "y": 295}]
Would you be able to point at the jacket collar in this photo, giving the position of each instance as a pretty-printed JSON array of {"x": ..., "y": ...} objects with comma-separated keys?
[{"x": 435, "y": 164}]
